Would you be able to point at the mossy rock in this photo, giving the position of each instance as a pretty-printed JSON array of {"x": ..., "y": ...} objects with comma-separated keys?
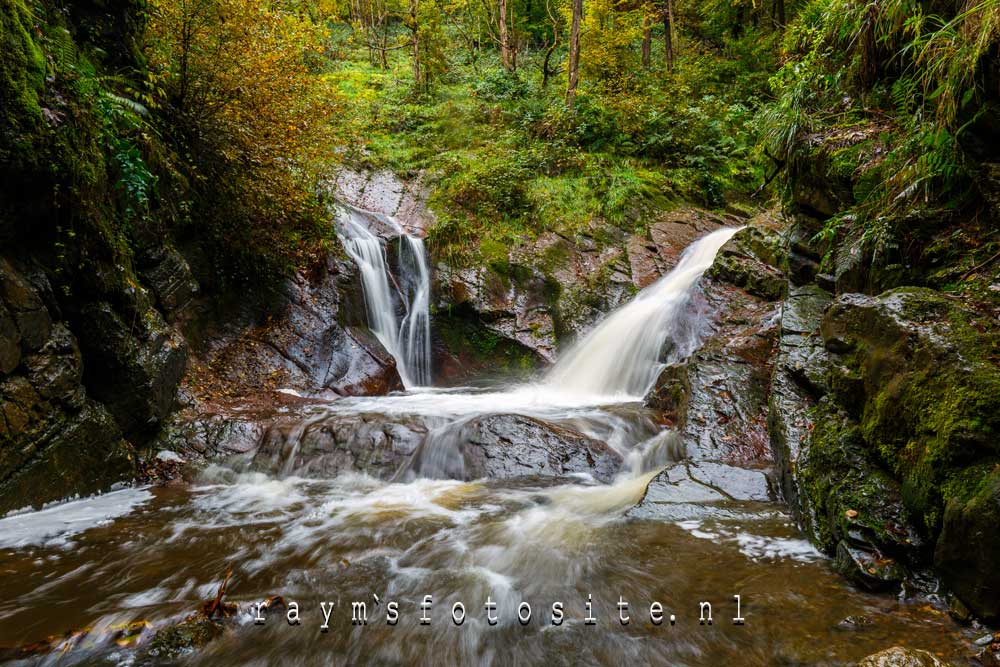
[
  {"x": 755, "y": 260},
  {"x": 183, "y": 638},
  {"x": 969, "y": 545},
  {"x": 22, "y": 79},
  {"x": 929, "y": 384},
  {"x": 847, "y": 497},
  {"x": 914, "y": 377}
]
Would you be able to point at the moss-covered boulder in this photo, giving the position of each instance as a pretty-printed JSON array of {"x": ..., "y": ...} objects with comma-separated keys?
[
  {"x": 919, "y": 372},
  {"x": 900, "y": 454},
  {"x": 755, "y": 260},
  {"x": 969, "y": 545}
]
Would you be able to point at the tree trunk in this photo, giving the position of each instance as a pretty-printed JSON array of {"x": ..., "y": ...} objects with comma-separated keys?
[
  {"x": 505, "y": 56},
  {"x": 416, "y": 43},
  {"x": 551, "y": 48},
  {"x": 668, "y": 33},
  {"x": 779, "y": 7},
  {"x": 647, "y": 40},
  {"x": 574, "y": 53}
]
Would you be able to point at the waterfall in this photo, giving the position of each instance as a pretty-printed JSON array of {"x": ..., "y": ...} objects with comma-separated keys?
[
  {"x": 621, "y": 356},
  {"x": 416, "y": 326},
  {"x": 407, "y": 339}
]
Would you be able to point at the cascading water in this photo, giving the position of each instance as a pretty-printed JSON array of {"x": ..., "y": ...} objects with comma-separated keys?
[
  {"x": 407, "y": 339},
  {"x": 621, "y": 357},
  {"x": 415, "y": 329},
  {"x": 314, "y": 538}
]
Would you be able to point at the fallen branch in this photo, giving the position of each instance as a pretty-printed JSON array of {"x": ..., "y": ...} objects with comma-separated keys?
[
  {"x": 979, "y": 266},
  {"x": 778, "y": 166},
  {"x": 215, "y": 606}
]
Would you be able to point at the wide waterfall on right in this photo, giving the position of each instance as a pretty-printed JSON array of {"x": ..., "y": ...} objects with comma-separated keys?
[{"x": 623, "y": 353}]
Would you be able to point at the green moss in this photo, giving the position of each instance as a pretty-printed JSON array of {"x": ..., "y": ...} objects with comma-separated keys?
[
  {"x": 920, "y": 379},
  {"x": 22, "y": 77},
  {"x": 848, "y": 495},
  {"x": 482, "y": 349}
]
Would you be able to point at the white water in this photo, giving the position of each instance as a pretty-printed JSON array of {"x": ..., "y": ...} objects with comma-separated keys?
[
  {"x": 621, "y": 357},
  {"x": 407, "y": 338},
  {"x": 615, "y": 364}
]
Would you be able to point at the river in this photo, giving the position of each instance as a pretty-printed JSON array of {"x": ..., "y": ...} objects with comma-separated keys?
[{"x": 438, "y": 534}]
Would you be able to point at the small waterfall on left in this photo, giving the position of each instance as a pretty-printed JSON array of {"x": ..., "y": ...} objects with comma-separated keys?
[{"x": 407, "y": 338}]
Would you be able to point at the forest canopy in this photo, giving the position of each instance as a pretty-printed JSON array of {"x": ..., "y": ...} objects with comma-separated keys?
[{"x": 221, "y": 122}]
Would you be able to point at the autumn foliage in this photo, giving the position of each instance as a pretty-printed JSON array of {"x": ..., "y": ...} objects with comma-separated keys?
[{"x": 249, "y": 117}]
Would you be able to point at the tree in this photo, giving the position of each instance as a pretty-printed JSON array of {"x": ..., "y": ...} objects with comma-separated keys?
[
  {"x": 413, "y": 26},
  {"x": 550, "y": 47},
  {"x": 668, "y": 32},
  {"x": 574, "y": 53},
  {"x": 505, "y": 47},
  {"x": 647, "y": 38},
  {"x": 243, "y": 107}
]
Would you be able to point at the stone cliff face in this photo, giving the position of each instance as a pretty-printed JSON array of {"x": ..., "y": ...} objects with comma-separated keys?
[
  {"x": 883, "y": 406},
  {"x": 77, "y": 388}
]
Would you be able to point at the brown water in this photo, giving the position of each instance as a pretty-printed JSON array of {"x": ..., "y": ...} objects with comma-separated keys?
[
  {"x": 344, "y": 540},
  {"x": 155, "y": 555}
]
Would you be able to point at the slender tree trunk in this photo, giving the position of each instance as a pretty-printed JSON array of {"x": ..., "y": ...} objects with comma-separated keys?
[
  {"x": 546, "y": 67},
  {"x": 574, "y": 53},
  {"x": 504, "y": 37},
  {"x": 416, "y": 42},
  {"x": 668, "y": 32},
  {"x": 647, "y": 40},
  {"x": 779, "y": 7}
]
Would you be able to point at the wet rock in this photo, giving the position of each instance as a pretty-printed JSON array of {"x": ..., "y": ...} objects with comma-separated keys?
[
  {"x": 958, "y": 611},
  {"x": 868, "y": 569},
  {"x": 716, "y": 394},
  {"x": 823, "y": 179},
  {"x": 969, "y": 542},
  {"x": 55, "y": 440},
  {"x": 514, "y": 305},
  {"x": 383, "y": 192},
  {"x": 510, "y": 446},
  {"x": 803, "y": 257},
  {"x": 169, "y": 277},
  {"x": 134, "y": 366},
  {"x": 463, "y": 347},
  {"x": 707, "y": 481},
  {"x": 184, "y": 638},
  {"x": 799, "y": 372},
  {"x": 884, "y": 436},
  {"x": 902, "y": 657},
  {"x": 854, "y": 622},
  {"x": 324, "y": 445},
  {"x": 920, "y": 380},
  {"x": 753, "y": 259},
  {"x": 199, "y": 434},
  {"x": 312, "y": 339}
]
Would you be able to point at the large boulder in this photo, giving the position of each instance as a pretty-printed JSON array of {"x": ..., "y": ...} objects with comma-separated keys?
[
  {"x": 311, "y": 337},
  {"x": 797, "y": 383},
  {"x": 894, "y": 467},
  {"x": 135, "y": 361},
  {"x": 505, "y": 446},
  {"x": 323, "y": 445}
]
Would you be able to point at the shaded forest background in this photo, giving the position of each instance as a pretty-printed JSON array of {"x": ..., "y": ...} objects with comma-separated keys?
[{"x": 216, "y": 123}]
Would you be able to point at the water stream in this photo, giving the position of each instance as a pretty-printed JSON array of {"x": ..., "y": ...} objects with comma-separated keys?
[
  {"x": 430, "y": 531},
  {"x": 407, "y": 338}
]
